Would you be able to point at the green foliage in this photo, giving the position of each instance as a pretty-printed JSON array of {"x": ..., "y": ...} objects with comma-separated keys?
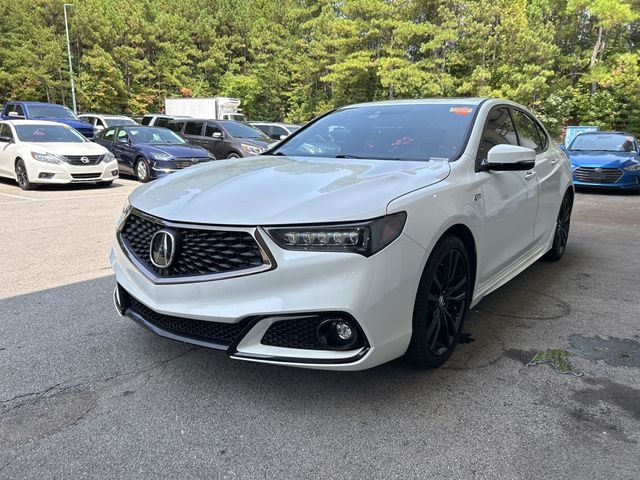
[{"x": 571, "y": 61}]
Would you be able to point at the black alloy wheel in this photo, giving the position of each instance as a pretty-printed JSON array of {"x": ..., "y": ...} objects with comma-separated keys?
[
  {"x": 442, "y": 304},
  {"x": 561, "y": 236},
  {"x": 22, "y": 177}
]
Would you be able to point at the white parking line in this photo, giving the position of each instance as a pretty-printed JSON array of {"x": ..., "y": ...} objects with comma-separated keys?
[
  {"x": 17, "y": 196},
  {"x": 48, "y": 199}
]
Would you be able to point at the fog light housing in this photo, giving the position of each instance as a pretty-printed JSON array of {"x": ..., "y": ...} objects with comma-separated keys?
[
  {"x": 114, "y": 173},
  {"x": 337, "y": 333},
  {"x": 46, "y": 175}
]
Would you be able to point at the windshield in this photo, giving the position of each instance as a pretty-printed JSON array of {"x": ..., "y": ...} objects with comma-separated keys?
[
  {"x": 48, "y": 133},
  {"x": 154, "y": 135},
  {"x": 50, "y": 111},
  {"x": 386, "y": 132},
  {"x": 242, "y": 130},
  {"x": 615, "y": 142},
  {"x": 115, "y": 122}
]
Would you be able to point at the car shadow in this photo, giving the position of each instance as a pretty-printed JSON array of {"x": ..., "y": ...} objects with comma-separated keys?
[{"x": 67, "y": 187}]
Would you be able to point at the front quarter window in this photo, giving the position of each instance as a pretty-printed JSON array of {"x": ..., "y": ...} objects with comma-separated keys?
[{"x": 410, "y": 132}]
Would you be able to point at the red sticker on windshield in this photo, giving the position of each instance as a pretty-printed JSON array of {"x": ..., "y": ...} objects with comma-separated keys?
[{"x": 461, "y": 110}]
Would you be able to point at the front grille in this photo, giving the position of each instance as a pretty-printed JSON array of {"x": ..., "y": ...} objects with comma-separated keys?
[
  {"x": 592, "y": 175},
  {"x": 294, "y": 333},
  {"x": 86, "y": 176},
  {"x": 200, "y": 251},
  {"x": 213, "y": 332},
  {"x": 76, "y": 159},
  {"x": 187, "y": 162}
]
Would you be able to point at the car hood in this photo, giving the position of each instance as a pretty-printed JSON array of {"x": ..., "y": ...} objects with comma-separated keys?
[
  {"x": 77, "y": 124},
  {"x": 602, "y": 159},
  {"x": 276, "y": 190},
  {"x": 65, "y": 148},
  {"x": 177, "y": 150}
]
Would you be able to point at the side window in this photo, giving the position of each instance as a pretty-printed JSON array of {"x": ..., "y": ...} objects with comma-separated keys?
[
  {"x": 543, "y": 136},
  {"x": 498, "y": 130},
  {"x": 193, "y": 128},
  {"x": 277, "y": 132},
  {"x": 19, "y": 110},
  {"x": 146, "y": 120},
  {"x": 162, "y": 122},
  {"x": 109, "y": 134},
  {"x": 529, "y": 135},
  {"x": 175, "y": 126},
  {"x": 122, "y": 136},
  {"x": 211, "y": 129},
  {"x": 99, "y": 122},
  {"x": 5, "y": 131}
]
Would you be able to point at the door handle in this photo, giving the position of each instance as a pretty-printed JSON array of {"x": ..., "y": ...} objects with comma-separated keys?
[
  {"x": 529, "y": 175},
  {"x": 554, "y": 161}
]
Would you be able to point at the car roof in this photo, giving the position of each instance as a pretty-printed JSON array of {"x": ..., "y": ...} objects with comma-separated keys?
[
  {"x": 425, "y": 101},
  {"x": 104, "y": 115},
  {"x": 35, "y": 103},
  {"x": 605, "y": 132},
  {"x": 32, "y": 122}
]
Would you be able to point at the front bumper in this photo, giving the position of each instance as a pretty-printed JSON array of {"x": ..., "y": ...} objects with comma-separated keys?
[
  {"x": 40, "y": 172},
  {"x": 377, "y": 292}
]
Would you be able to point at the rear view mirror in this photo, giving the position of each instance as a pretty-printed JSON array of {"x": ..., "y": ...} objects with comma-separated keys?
[{"x": 510, "y": 158}]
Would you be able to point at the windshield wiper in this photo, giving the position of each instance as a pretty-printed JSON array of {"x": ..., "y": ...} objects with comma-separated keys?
[{"x": 344, "y": 155}]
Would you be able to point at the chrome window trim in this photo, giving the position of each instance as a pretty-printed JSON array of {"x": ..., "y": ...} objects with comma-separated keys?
[{"x": 267, "y": 257}]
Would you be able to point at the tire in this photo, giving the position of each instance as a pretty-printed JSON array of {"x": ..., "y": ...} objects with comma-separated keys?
[
  {"x": 104, "y": 184},
  {"x": 141, "y": 171},
  {"x": 561, "y": 235},
  {"x": 233, "y": 155},
  {"x": 22, "y": 177},
  {"x": 441, "y": 305}
]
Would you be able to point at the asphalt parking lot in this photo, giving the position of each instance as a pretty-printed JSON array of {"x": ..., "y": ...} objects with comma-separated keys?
[{"x": 86, "y": 394}]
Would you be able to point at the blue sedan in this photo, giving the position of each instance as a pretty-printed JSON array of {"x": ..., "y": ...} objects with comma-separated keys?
[
  {"x": 150, "y": 152},
  {"x": 605, "y": 160}
]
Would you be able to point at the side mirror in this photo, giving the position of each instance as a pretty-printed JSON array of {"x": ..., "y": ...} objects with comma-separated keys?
[
  {"x": 562, "y": 147},
  {"x": 15, "y": 115},
  {"x": 282, "y": 137},
  {"x": 217, "y": 135},
  {"x": 503, "y": 158}
]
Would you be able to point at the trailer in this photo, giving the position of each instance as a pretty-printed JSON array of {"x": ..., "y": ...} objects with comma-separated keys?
[{"x": 218, "y": 108}]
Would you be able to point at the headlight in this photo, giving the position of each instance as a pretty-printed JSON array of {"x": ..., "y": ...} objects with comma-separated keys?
[
  {"x": 108, "y": 157},
  {"x": 48, "y": 158},
  {"x": 250, "y": 149},
  {"x": 211, "y": 156},
  {"x": 162, "y": 156},
  {"x": 126, "y": 209},
  {"x": 365, "y": 238},
  {"x": 633, "y": 168}
]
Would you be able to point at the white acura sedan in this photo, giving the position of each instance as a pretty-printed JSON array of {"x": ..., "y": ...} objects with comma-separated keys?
[
  {"x": 34, "y": 152},
  {"x": 365, "y": 236}
]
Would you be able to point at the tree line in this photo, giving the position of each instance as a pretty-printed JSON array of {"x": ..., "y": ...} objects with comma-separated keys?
[{"x": 571, "y": 61}]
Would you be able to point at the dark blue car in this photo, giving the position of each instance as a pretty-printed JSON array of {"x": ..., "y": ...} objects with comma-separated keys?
[
  {"x": 150, "y": 152},
  {"x": 47, "y": 111},
  {"x": 605, "y": 160}
]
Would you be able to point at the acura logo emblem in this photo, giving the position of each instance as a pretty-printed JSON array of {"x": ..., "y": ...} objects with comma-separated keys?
[
  {"x": 84, "y": 159},
  {"x": 163, "y": 248}
]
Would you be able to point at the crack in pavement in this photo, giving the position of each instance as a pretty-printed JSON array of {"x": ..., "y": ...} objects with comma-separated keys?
[{"x": 34, "y": 397}]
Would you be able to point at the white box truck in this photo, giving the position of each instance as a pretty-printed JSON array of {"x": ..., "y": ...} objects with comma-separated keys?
[{"x": 218, "y": 108}]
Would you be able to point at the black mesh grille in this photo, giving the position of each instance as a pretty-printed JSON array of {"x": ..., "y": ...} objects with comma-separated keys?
[
  {"x": 86, "y": 176},
  {"x": 76, "y": 159},
  {"x": 200, "y": 252},
  {"x": 187, "y": 162},
  {"x": 597, "y": 175},
  {"x": 294, "y": 333},
  {"x": 214, "y": 332}
]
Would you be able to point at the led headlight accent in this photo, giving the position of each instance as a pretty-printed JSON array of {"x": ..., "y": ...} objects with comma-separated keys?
[
  {"x": 365, "y": 238},
  {"x": 211, "y": 156},
  {"x": 252, "y": 150},
  {"x": 162, "y": 156},
  {"x": 108, "y": 157},
  {"x": 633, "y": 168},
  {"x": 126, "y": 209},
  {"x": 48, "y": 158}
]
